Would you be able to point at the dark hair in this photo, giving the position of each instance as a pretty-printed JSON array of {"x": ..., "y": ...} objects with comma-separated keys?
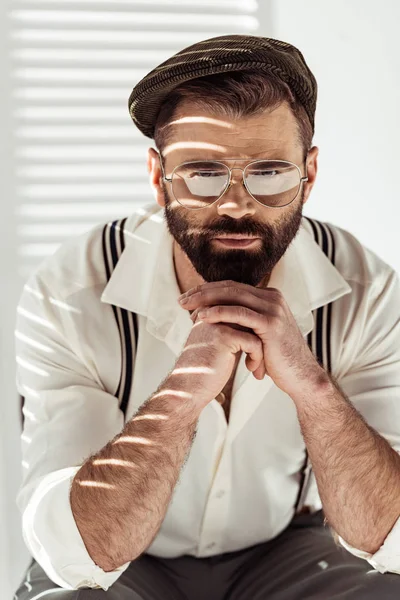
[{"x": 234, "y": 94}]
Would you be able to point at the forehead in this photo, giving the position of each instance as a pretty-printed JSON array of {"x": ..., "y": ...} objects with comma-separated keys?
[{"x": 197, "y": 133}]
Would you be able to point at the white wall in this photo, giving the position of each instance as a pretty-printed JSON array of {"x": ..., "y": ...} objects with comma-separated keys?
[
  {"x": 13, "y": 554},
  {"x": 352, "y": 46}
]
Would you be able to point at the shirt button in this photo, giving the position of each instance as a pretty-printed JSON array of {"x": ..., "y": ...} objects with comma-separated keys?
[{"x": 220, "y": 494}]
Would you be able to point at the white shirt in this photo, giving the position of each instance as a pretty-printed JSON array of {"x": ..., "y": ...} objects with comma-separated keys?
[{"x": 239, "y": 484}]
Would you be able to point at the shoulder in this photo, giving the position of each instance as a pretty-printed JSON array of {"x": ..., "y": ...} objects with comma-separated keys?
[
  {"x": 366, "y": 321},
  {"x": 80, "y": 262},
  {"x": 356, "y": 262}
]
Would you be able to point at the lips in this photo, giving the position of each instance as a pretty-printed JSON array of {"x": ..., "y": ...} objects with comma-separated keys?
[
  {"x": 237, "y": 242},
  {"x": 235, "y": 237}
]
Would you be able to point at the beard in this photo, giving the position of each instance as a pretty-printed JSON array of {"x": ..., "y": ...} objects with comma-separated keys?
[{"x": 249, "y": 266}]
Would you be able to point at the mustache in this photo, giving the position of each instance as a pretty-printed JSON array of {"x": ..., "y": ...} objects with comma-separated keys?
[{"x": 239, "y": 229}]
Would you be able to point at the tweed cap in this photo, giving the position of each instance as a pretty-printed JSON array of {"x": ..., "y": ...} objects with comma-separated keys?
[{"x": 220, "y": 55}]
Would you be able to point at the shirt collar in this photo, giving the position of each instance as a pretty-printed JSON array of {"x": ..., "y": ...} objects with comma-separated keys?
[{"x": 144, "y": 280}]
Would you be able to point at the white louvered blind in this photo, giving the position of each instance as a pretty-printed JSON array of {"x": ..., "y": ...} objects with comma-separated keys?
[{"x": 79, "y": 160}]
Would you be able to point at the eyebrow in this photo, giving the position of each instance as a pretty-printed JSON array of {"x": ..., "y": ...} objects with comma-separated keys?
[
  {"x": 201, "y": 163},
  {"x": 273, "y": 156}
]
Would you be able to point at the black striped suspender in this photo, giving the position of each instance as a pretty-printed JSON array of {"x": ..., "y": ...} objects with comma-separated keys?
[
  {"x": 319, "y": 338},
  {"x": 113, "y": 246}
]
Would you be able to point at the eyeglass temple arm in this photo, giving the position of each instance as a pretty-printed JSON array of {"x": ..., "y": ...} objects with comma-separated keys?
[{"x": 162, "y": 168}]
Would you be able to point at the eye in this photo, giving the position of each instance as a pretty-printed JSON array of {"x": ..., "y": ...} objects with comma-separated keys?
[
  {"x": 205, "y": 174},
  {"x": 268, "y": 173}
]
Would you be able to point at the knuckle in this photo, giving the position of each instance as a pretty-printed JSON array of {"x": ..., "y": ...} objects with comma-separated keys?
[
  {"x": 278, "y": 297},
  {"x": 274, "y": 317},
  {"x": 235, "y": 291},
  {"x": 243, "y": 311},
  {"x": 197, "y": 290},
  {"x": 276, "y": 291},
  {"x": 279, "y": 311}
]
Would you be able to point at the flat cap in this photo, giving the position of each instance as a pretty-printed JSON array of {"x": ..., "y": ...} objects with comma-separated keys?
[{"x": 220, "y": 55}]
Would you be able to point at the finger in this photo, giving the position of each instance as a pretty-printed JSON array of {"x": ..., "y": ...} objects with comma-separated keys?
[
  {"x": 257, "y": 370},
  {"x": 259, "y": 301},
  {"x": 228, "y": 296},
  {"x": 259, "y": 373},
  {"x": 248, "y": 343},
  {"x": 239, "y": 315},
  {"x": 214, "y": 284},
  {"x": 195, "y": 314},
  {"x": 229, "y": 285}
]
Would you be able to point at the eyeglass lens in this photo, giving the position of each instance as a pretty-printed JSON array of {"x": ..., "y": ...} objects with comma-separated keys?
[{"x": 273, "y": 183}]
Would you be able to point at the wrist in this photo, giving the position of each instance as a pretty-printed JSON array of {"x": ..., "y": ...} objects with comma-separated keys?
[{"x": 317, "y": 384}]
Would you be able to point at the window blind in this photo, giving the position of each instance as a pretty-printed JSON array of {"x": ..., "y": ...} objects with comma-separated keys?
[{"x": 78, "y": 158}]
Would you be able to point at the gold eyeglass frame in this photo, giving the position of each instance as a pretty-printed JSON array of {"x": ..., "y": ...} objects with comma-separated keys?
[{"x": 229, "y": 183}]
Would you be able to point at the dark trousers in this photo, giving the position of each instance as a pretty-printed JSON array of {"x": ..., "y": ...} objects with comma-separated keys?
[{"x": 301, "y": 563}]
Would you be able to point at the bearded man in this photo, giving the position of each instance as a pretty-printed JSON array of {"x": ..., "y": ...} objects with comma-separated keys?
[{"x": 212, "y": 384}]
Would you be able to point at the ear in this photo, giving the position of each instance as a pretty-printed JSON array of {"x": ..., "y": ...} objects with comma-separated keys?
[
  {"x": 154, "y": 169},
  {"x": 312, "y": 168}
]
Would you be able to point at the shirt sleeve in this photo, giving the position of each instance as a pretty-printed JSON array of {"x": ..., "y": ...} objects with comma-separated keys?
[
  {"x": 372, "y": 384},
  {"x": 68, "y": 417}
]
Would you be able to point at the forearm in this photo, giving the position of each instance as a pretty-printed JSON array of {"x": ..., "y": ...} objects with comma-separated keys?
[
  {"x": 357, "y": 471},
  {"x": 120, "y": 495}
]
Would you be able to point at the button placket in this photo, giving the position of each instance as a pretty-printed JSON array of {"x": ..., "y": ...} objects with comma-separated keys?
[{"x": 216, "y": 512}]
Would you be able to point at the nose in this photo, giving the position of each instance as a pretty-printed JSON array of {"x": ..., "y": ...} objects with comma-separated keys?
[{"x": 236, "y": 201}]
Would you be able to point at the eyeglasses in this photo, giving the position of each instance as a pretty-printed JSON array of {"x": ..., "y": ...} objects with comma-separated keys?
[{"x": 200, "y": 183}]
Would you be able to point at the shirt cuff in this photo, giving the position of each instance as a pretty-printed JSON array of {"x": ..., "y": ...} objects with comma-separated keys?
[
  {"x": 53, "y": 538},
  {"x": 387, "y": 558}
]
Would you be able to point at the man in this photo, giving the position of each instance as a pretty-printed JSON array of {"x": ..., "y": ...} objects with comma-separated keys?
[{"x": 196, "y": 494}]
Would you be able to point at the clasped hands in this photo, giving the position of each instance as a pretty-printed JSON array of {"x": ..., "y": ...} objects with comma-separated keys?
[{"x": 288, "y": 360}]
